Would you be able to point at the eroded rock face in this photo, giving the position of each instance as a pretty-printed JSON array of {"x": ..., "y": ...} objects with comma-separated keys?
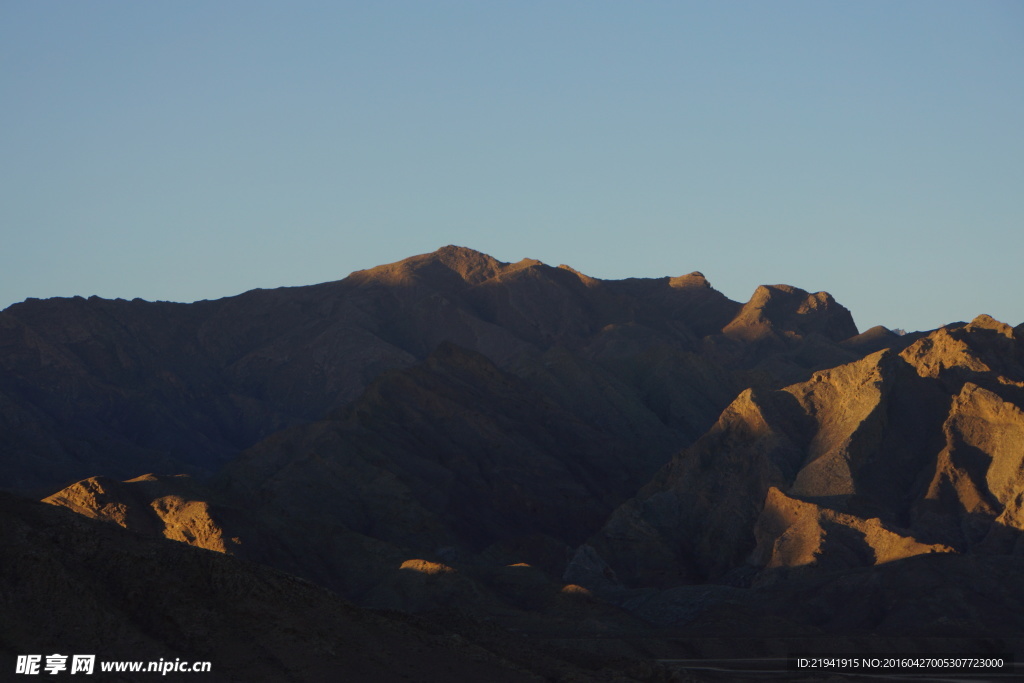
[
  {"x": 976, "y": 489},
  {"x": 795, "y": 533},
  {"x": 172, "y": 507},
  {"x": 888, "y": 457},
  {"x": 695, "y": 519},
  {"x": 983, "y": 351}
]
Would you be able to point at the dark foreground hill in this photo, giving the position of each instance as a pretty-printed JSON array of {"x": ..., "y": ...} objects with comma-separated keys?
[
  {"x": 76, "y": 586},
  {"x": 638, "y": 468}
]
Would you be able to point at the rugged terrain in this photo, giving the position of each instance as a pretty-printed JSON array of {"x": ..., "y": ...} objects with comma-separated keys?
[{"x": 642, "y": 461}]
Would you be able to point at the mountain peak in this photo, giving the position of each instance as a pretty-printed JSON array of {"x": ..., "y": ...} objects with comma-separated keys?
[
  {"x": 583, "y": 277},
  {"x": 449, "y": 265},
  {"x": 472, "y": 266},
  {"x": 788, "y": 308},
  {"x": 455, "y": 252},
  {"x": 694, "y": 279},
  {"x": 987, "y": 322}
]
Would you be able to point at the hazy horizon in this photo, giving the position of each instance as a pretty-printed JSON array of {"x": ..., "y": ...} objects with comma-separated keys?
[{"x": 200, "y": 150}]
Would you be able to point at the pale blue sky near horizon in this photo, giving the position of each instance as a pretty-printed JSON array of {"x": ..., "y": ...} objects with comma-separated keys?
[{"x": 195, "y": 150}]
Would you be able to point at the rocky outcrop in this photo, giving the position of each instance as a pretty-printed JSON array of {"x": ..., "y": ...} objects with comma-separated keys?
[
  {"x": 794, "y": 533},
  {"x": 891, "y": 456},
  {"x": 694, "y": 519},
  {"x": 171, "y": 507},
  {"x": 975, "y": 494},
  {"x": 778, "y": 311}
]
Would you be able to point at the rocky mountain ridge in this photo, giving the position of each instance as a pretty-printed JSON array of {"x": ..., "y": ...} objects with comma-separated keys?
[
  {"x": 126, "y": 387},
  {"x": 885, "y": 458}
]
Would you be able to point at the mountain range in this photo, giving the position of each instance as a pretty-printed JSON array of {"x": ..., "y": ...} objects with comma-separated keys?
[{"x": 455, "y": 447}]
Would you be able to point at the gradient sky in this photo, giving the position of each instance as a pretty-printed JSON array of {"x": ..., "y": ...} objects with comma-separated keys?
[{"x": 189, "y": 150}]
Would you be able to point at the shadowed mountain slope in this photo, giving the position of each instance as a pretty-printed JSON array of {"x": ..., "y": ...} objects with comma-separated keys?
[
  {"x": 90, "y": 386},
  {"x": 452, "y": 453}
]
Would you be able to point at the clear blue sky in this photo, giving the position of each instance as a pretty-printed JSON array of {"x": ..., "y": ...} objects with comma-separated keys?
[{"x": 188, "y": 150}]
